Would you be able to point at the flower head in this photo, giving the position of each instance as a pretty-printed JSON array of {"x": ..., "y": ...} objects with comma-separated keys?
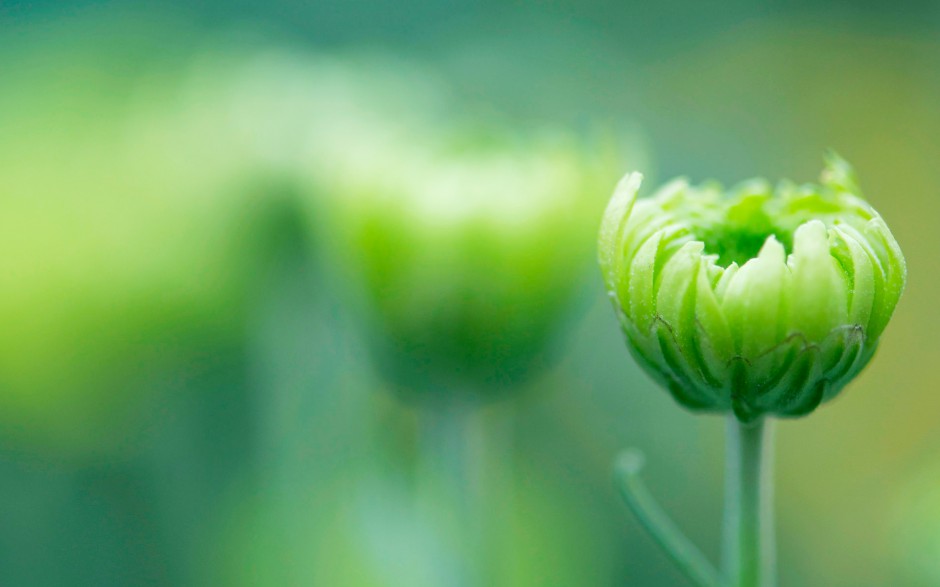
[
  {"x": 467, "y": 249},
  {"x": 758, "y": 300}
]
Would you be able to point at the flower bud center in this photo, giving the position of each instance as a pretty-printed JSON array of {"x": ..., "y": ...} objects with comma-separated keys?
[{"x": 735, "y": 229}]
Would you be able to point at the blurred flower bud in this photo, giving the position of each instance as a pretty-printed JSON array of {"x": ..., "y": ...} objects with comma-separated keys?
[
  {"x": 131, "y": 270},
  {"x": 759, "y": 301},
  {"x": 468, "y": 248}
]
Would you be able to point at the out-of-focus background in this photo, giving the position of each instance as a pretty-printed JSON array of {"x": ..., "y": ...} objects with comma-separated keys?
[{"x": 237, "y": 278}]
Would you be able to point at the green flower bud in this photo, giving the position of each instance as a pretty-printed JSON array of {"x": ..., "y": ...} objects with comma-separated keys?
[
  {"x": 760, "y": 301},
  {"x": 128, "y": 263},
  {"x": 467, "y": 254}
]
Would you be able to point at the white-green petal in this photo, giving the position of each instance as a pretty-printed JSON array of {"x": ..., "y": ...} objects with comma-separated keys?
[
  {"x": 861, "y": 276},
  {"x": 755, "y": 301},
  {"x": 819, "y": 291},
  {"x": 895, "y": 272},
  {"x": 716, "y": 345},
  {"x": 640, "y": 293},
  {"x": 615, "y": 217}
]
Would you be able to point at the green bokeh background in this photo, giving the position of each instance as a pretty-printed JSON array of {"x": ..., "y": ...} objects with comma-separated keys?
[{"x": 187, "y": 395}]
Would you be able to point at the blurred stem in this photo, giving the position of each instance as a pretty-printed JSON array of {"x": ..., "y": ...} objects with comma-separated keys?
[
  {"x": 680, "y": 549},
  {"x": 451, "y": 468},
  {"x": 749, "y": 550}
]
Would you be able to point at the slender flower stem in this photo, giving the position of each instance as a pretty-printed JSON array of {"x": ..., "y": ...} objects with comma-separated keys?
[
  {"x": 452, "y": 470},
  {"x": 689, "y": 559},
  {"x": 749, "y": 549}
]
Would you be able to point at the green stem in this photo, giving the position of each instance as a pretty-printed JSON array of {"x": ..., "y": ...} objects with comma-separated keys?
[
  {"x": 450, "y": 462},
  {"x": 680, "y": 549},
  {"x": 749, "y": 550}
]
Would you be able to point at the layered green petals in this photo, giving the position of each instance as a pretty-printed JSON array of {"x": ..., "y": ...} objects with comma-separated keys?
[{"x": 759, "y": 301}]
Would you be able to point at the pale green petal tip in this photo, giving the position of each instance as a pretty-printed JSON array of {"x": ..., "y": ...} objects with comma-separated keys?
[
  {"x": 772, "y": 250},
  {"x": 629, "y": 184},
  {"x": 838, "y": 174},
  {"x": 760, "y": 301},
  {"x": 811, "y": 242}
]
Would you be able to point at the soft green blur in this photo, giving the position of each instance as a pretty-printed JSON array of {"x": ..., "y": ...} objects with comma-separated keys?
[
  {"x": 469, "y": 252},
  {"x": 207, "y": 225}
]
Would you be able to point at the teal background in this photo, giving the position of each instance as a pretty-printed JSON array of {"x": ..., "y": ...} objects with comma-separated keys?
[{"x": 186, "y": 392}]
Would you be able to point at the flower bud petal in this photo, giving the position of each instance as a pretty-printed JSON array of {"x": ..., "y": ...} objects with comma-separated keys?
[
  {"x": 616, "y": 215},
  {"x": 755, "y": 302},
  {"x": 818, "y": 283},
  {"x": 859, "y": 272}
]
